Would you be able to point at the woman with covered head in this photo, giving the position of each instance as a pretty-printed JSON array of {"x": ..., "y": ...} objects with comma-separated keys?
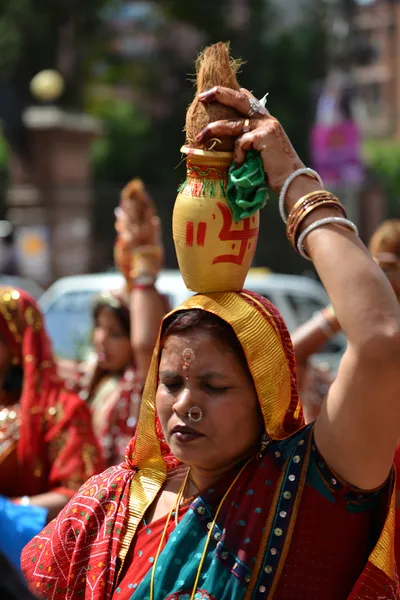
[
  {"x": 47, "y": 447},
  {"x": 224, "y": 493},
  {"x": 125, "y": 327}
]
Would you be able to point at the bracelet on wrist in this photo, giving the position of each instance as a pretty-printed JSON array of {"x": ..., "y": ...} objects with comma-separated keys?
[
  {"x": 144, "y": 282},
  {"x": 289, "y": 181},
  {"x": 341, "y": 221},
  {"x": 307, "y": 205},
  {"x": 25, "y": 501},
  {"x": 146, "y": 262}
]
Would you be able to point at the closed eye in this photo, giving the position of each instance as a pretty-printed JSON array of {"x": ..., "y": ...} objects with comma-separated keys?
[
  {"x": 172, "y": 386},
  {"x": 212, "y": 389}
]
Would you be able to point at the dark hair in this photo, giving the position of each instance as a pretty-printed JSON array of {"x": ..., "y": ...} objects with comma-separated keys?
[
  {"x": 11, "y": 583},
  {"x": 14, "y": 380},
  {"x": 122, "y": 314},
  {"x": 196, "y": 318}
]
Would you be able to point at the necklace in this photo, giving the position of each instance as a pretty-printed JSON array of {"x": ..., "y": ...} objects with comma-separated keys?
[
  {"x": 203, "y": 556},
  {"x": 164, "y": 533},
  {"x": 179, "y": 497}
]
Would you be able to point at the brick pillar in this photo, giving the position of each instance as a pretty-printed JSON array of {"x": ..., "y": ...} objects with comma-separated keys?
[{"x": 50, "y": 201}]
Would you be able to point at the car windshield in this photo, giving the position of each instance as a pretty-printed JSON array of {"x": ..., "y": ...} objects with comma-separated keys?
[{"x": 69, "y": 322}]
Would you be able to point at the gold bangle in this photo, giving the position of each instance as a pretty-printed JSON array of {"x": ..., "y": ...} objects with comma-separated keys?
[
  {"x": 146, "y": 262},
  {"x": 296, "y": 215},
  {"x": 304, "y": 198},
  {"x": 295, "y": 227},
  {"x": 305, "y": 201}
]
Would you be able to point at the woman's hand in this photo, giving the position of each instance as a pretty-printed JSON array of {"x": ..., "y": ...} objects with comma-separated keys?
[
  {"x": 139, "y": 229},
  {"x": 258, "y": 130}
]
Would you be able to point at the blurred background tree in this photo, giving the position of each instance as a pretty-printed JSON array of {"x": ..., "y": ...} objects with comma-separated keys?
[
  {"x": 132, "y": 64},
  {"x": 283, "y": 55},
  {"x": 383, "y": 159},
  {"x": 43, "y": 34}
]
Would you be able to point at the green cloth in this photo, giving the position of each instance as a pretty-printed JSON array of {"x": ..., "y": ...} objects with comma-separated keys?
[{"x": 247, "y": 191}]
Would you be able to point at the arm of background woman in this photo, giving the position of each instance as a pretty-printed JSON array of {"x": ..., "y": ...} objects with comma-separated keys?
[
  {"x": 139, "y": 256},
  {"x": 359, "y": 425},
  {"x": 311, "y": 336},
  {"x": 147, "y": 308}
]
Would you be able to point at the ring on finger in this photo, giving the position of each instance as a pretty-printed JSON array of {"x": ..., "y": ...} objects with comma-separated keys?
[
  {"x": 246, "y": 126},
  {"x": 256, "y": 108}
]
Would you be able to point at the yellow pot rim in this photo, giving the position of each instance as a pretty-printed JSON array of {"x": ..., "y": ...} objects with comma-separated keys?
[{"x": 199, "y": 152}]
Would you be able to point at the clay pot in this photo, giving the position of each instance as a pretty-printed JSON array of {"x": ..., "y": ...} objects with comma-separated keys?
[{"x": 214, "y": 252}]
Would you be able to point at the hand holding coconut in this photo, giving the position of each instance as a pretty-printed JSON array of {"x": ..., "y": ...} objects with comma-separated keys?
[{"x": 257, "y": 129}]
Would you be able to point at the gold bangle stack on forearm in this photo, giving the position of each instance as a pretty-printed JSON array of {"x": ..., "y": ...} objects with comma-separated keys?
[
  {"x": 146, "y": 264},
  {"x": 305, "y": 206}
]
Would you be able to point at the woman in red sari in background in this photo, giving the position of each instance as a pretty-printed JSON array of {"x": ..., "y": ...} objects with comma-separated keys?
[
  {"x": 47, "y": 447},
  {"x": 125, "y": 327}
]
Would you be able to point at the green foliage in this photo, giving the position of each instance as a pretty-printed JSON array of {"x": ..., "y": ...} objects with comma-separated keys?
[
  {"x": 43, "y": 34},
  {"x": 120, "y": 149},
  {"x": 383, "y": 159}
]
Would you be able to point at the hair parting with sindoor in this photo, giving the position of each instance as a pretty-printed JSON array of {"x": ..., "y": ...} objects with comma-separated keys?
[{"x": 197, "y": 319}]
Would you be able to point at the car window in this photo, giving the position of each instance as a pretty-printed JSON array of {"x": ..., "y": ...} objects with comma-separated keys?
[
  {"x": 304, "y": 306},
  {"x": 69, "y": 323}
]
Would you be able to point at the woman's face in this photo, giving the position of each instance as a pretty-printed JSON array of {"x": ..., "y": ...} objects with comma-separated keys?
[
  {"x": 213, "y": 379},
  {"x": 111, "y": 342}
]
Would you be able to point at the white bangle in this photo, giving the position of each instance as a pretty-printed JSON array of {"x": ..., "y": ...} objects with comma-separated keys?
[
  {"x": 25, "y": 501},
  {"x": 289, "y": 180},
  {"x": 320, "y": 223}
]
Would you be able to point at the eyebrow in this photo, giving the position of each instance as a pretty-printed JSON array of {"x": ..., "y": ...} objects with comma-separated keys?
[{"x": 206, "y": 375}]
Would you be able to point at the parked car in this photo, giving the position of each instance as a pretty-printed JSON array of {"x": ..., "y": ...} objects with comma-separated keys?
[
  {"x": 28, "y": 285},
  {"x": 67, "y": 304}
]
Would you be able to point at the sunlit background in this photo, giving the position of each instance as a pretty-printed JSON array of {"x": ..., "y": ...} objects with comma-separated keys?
[{"x": 94, "y": 93}]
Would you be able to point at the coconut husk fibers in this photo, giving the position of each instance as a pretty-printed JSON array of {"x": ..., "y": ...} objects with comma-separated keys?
[{"x": 214, "y": 66}]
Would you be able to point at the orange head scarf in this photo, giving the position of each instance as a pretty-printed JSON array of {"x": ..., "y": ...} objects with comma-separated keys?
[{"x": 269, "y": 353}]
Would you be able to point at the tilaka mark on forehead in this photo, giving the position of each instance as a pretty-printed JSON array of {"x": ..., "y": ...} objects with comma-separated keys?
[{"x": 188, "y": 356}]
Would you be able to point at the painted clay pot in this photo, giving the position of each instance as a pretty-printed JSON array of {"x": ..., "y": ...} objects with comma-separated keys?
[{"x": 214, "y": 252}]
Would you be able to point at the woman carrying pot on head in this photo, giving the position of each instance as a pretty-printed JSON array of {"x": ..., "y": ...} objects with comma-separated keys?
[
  {"x": 224, "y": 493},
  {"x": 47, "y": 446},
  {"x": 125, "y": 327}
]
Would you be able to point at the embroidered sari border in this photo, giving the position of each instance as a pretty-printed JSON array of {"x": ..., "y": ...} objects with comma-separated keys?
[{"x": 280, "y": 524}]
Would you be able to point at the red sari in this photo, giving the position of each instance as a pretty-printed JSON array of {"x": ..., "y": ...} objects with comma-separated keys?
[{"x": 47, "y": 443}]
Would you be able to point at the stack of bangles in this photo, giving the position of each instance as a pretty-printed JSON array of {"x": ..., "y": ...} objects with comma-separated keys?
[
  {"x": 305, "y": 206},
  {"x": 145, "y": 266}
]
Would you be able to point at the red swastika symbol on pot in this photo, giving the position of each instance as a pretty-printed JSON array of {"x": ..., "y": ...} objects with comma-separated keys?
[{"x": 227, "y": 234}]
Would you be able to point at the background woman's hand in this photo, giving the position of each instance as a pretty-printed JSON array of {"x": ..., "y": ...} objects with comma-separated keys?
[
  {"x": 260, "y": 131},
  {"x": 138, "y": 228}
]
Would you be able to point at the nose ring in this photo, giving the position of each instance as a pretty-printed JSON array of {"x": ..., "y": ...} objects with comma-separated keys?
[{"x": 195, "y": 414}]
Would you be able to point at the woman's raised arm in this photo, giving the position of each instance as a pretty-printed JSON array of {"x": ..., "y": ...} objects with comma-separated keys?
[{"x": 359, "y": 425}]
